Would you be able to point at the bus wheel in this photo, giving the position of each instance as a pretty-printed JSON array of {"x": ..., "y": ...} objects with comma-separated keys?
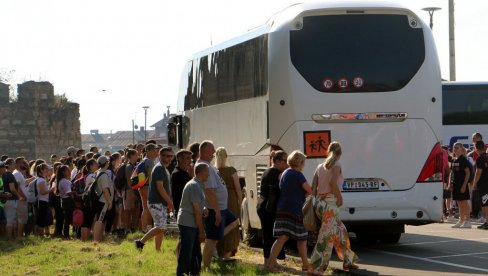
[
  {"x": 390, "y": 238},
  {"x": 250, "y": 235},
  {"x": 385, "y": 238}
]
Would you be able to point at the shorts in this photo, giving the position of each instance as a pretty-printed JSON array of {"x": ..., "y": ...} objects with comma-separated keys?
[
  {"x": 217, "y": 232},
  {"x": 11, "y": 212},
  {"x": 22, "y": 212},
  {"x": 128, "y": 199},
  {"x": 43, "y": 219},
  {"x": 88, "y": 216},
  {"x": 101, "y": 212},
  {"x": 457, "y": 195},
  {"x": 484, "y": 198},
  {"x": 3, "y": 219},
  {"x": 159, "y": 214}
]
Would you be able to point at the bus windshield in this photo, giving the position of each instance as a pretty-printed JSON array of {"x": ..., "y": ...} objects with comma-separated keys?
[{"x": 358, "y": 53}]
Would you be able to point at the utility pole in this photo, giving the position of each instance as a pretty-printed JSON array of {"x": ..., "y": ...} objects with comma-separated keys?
[
  {"x": 133, "y": 134},
  {"x": 452, "y": 50},
  {"x": 145, "y": 122}
]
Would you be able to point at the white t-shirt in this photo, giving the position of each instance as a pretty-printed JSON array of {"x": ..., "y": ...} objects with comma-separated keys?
[
  {"x": 21, "y": 180},
  {"x": 104, "y": 181},
  {"x": 64, "y": 188},
  {"x": 216, "y": 182},
  {"x": 89, "y": 179},
  {"x": 42, "y": 181},
  {"x": 74, "y": 172}
]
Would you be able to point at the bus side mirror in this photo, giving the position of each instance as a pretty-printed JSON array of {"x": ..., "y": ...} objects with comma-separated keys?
[{"x": 172, "y": 138}]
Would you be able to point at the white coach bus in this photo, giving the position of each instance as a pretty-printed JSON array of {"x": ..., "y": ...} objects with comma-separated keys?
[
  {"x": 364, "y": 74},
  {"x": 464, "y": 111}
]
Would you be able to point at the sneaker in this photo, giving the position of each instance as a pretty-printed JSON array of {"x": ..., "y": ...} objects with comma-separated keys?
[
  {"x": 458, "y": 224},
  {"x": 466, "y": 224},
  {"x": 139, "y": 245},
  {"x": 481, "y": 220},
  {"x": 451, "y": 219},
  {"x": 483, "y": 226}
]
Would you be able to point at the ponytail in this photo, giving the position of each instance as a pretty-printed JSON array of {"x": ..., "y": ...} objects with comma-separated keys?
[{"x": 335, "y": 152}]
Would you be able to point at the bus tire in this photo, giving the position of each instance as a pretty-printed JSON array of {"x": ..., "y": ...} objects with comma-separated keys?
[
  {"x": 390, "y": 238},
  {"x": 384, "y": 238},
  {"x": 250, "y": 236}
]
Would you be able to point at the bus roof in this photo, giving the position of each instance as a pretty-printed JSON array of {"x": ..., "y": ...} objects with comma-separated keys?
[
  {"x": 453, "y": 83},
  {"x": 284, "y": 17}
]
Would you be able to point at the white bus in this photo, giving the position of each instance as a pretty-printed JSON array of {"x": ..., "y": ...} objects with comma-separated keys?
[
  {"x": 364, "y": 74},
  {"x": 464, "y": 111}
]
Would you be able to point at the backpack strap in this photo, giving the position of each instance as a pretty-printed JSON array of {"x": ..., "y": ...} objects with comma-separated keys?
[
  {"x": 96, "y": 183},
  {"x": 36, "y": 193}
]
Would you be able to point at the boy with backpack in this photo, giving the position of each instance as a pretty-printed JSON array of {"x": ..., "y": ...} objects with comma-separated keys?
[
  {"x": 129, "y": 219},
  {"x": 104, "y": 188}
]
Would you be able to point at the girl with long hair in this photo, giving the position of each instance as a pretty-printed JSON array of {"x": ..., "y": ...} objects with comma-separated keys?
[
  {"x": 89, "y": 173},
  {"x": 43, "y": 220},
  {"x": 332, "y": 233},
  {"x": 458, "y": 182},
  {"x": 227, "y": 247},
  {"x": 63, "y": 189}
]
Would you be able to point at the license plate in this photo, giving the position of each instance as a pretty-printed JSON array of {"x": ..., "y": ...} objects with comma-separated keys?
[{"x": 360, "y": 185}]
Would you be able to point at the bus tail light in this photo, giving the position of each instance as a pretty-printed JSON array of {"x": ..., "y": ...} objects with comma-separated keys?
[{"x": 432, "y": 170}]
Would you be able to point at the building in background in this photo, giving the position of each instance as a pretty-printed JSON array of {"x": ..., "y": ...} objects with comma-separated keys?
[
  {"x": 119, "y": 140},
  {"x": 37, "y": 123}
]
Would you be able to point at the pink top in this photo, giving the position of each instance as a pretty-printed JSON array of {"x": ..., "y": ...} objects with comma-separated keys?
[{"x": 325, "y": 177}]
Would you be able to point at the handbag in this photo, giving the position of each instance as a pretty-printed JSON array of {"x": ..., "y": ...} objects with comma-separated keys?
[{"x": 310, "y": 220}]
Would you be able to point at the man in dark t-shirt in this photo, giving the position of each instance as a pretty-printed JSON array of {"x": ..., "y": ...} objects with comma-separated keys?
[
  {"x": 481, "y": 180},
  {"x": 159, "y": 199},
  {"x": 180, "y": 177}
]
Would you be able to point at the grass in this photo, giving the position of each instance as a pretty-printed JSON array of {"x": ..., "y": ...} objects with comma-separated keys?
[{"x": 52, "y": 256}]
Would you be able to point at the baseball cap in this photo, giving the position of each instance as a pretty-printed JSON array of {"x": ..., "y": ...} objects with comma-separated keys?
[
  {"x": 71, "y": 149},
  {"x": 102, "y": 160}
]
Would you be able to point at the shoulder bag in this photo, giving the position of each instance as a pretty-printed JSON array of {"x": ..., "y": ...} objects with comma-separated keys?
[{"x": 310, "y": 220}]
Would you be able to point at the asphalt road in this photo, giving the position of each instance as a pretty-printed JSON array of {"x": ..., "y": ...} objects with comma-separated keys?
[{"x": 435, "y": 249}]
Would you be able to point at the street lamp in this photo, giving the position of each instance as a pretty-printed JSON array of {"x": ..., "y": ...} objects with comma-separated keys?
[
  {"x": 145, "y": 122},
  {"x": 431, "y": 11}
]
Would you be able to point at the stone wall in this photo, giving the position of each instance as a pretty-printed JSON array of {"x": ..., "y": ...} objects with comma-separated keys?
[{"x": 39, "y": 123}]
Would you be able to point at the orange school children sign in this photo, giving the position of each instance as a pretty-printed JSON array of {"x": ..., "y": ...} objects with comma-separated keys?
[{"x": 315, "y": 143}]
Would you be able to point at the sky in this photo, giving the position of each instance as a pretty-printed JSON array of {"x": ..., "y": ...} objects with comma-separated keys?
[{"x": 117, "y": 56}]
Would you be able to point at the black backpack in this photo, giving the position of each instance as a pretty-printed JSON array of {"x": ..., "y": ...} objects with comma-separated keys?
[
  {"x": 120, "y": 181},
  {"x": 90, "y": 196}
]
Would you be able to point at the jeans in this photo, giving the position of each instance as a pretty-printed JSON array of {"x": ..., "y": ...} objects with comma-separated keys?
[{"x": 190, "y": 255}]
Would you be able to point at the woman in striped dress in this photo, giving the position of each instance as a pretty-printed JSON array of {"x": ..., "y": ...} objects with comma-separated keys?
[{"x": 289, "y": 219}]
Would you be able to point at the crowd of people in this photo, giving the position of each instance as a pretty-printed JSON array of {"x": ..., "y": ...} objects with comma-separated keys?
[
  {"x": 205, "y": 197},
  {"x": 466, "y": 183},
  {"x": 88, "y": 195}
]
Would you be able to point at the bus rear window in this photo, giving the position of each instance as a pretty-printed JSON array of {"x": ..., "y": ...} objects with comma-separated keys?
[{"x": 357, "y": 53}]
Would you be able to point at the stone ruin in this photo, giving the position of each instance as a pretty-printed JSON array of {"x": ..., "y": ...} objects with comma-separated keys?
[{"x": 38, "y": 123}]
